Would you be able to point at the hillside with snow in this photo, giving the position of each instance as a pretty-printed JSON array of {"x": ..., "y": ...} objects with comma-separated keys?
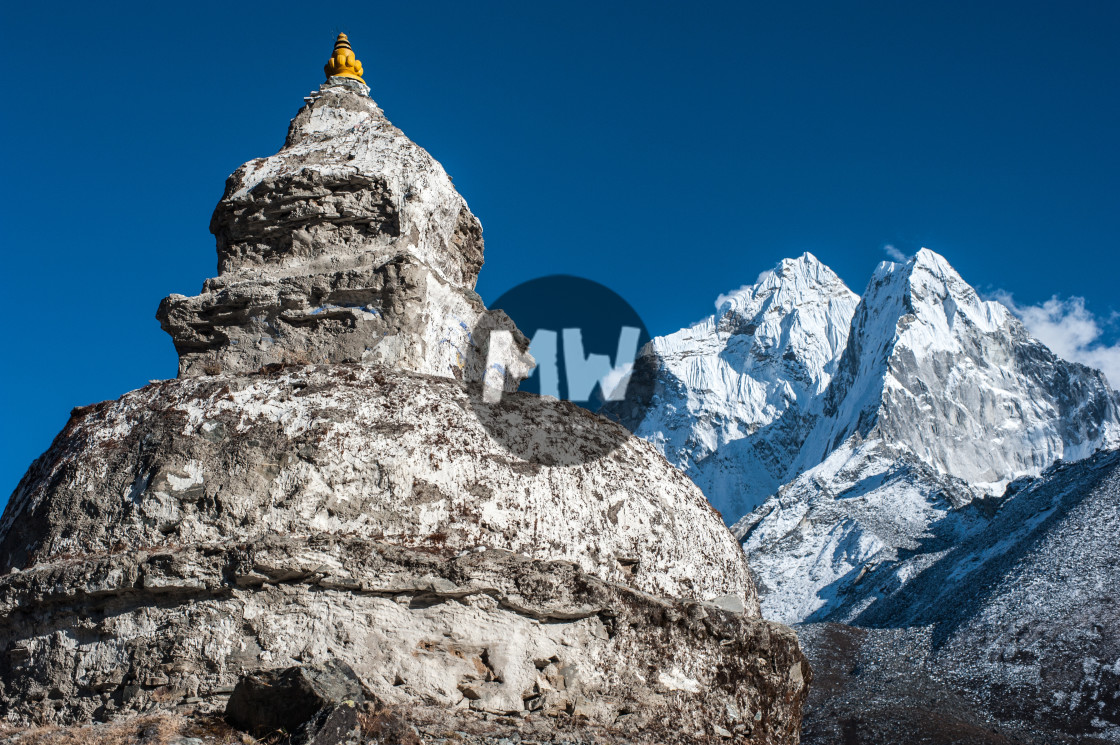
[{"x": 1016, "y": 628}]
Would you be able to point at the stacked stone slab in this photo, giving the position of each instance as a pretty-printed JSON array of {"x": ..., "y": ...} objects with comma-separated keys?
[
  {"x": 349, "y": 245},
  {"x": 318, "y": 485}
]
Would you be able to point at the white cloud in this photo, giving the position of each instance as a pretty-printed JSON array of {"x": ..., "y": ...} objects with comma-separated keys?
[
  {"x": 731, "y": 299},
  {"x": 895, "y": 254},
  {"x": 613, "y": 385},
  {"x": 1070, "y": 330}
]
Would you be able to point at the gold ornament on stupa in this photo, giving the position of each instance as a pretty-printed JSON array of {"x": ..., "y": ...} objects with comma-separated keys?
[{"x": 342, "y": 63}]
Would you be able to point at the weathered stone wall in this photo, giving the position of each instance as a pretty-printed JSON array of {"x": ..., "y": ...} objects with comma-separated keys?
[
  {"x": 365, "y": 451},
  {"x": 492, "y": 631},
  {"x": 349, "y": 245}
]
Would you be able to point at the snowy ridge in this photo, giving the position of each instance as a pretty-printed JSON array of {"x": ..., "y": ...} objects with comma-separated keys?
[
  {"x": 940, "y": 398},
  {"x": 958, "y": 382},
  {"x": 732, "y": 391},
  {"x": 862, "y": 448},
  {"x": 864, "y": 507}
]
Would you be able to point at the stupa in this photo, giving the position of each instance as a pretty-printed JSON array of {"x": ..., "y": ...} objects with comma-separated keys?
[{"x": 315, "y": 486}]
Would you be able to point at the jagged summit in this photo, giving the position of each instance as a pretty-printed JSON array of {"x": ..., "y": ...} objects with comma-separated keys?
[
  {"x": 958, "y": 381},
  {"x": 838, "y": 430},
  {"x": 732, "y": 392},
  {"x": 796, "y": 317},
  {"x": 939, "y": 398}
]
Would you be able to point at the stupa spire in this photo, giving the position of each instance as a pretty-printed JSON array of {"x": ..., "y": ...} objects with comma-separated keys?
[{"x": 343, "y": 63}]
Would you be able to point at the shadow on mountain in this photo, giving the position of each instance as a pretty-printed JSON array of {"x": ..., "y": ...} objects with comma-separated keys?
[
  {"x": 1012, "y": 636},
  {"x": 950, "y": 592}
]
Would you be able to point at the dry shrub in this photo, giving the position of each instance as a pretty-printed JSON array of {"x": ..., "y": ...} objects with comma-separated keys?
[
  {"x": 385, "y": 726},
  {"x": 155, "y": 729}
]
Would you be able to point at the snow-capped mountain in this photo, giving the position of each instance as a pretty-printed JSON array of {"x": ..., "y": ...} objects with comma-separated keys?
[
  {"x": 957, "y": 381},
  {"x": 932, "y": 399},
  {"x": 732, "y": 392},
  {"x": 940, "y": 398}
]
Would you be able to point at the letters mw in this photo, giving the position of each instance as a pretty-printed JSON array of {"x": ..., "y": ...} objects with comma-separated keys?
[{"x": 583, "y": 371}]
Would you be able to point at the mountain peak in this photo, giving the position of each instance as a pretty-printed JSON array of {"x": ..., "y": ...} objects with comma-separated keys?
[
  {"x": 940, "y": 398},
  {"x": 925, "y": 349},
  {"x": 935, "y": 297},
  {"x": 924, "y": 261},
  {"x": 806, "y": 262},
  {"x": 732, "y": 391},
  {"x": 790, "y": 283},
  {"x": 927, "y": 269},
  {"x": 932, "y": 260}
]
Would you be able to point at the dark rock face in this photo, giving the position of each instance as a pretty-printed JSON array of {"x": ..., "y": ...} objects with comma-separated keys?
[
  {"x": 264, "y": 226},
  {"x": 1012, "y": 635},
  {"x": 308, "y": 703},
  {"x": 397, "y": 313}
]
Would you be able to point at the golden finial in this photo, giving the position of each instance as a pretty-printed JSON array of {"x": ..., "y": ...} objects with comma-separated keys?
[{"x": 342, "y": 62}]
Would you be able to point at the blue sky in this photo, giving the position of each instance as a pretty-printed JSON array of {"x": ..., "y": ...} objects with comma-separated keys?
[{"x": 670, "y": 151}]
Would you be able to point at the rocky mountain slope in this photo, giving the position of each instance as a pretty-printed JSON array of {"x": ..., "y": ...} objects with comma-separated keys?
[
  {"x": 1015, "y": 630},
  {"x": 320, "y": 485}
]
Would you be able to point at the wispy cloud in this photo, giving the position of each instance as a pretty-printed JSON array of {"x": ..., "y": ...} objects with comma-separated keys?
[
  {"x": 1070, "y": 330},
  {"x": 734, "y": 298},
  {"x": 614, "y": 384},
  {"x": 895, "y": 254}
]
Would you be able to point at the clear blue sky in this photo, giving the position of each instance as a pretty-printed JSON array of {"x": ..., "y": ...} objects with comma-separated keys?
[{"x": 671, "y": 151}]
